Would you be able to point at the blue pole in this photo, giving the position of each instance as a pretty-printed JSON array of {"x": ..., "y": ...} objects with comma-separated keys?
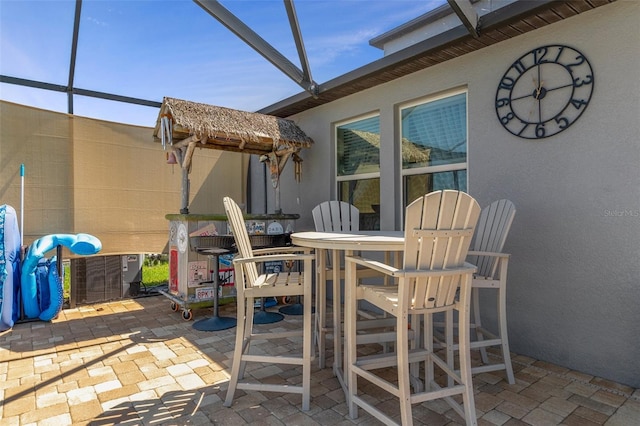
[{"x": 21, "y": 204}]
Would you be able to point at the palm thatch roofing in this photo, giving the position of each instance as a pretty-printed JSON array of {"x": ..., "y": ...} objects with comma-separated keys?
[{"x": 183, "y": 122}]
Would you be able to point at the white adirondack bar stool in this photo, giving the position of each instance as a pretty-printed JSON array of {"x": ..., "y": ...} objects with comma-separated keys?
[
  {"x": 330, "y": 216},
  {"x": 251, "y": 286},
  {"x": 434, "y": 278},
  {"x": 486, "y": 253}
]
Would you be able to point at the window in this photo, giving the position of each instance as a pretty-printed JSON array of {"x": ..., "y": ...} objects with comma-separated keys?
[
  {"x": 434, "y": 145},
  {"x": 358, "y": 168}
]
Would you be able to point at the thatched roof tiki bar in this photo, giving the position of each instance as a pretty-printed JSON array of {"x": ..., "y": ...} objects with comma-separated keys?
[{"x": 183, "y": 126}]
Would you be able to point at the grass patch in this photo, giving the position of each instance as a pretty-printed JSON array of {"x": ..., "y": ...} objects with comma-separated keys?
[{"x": 154, "y": 275}]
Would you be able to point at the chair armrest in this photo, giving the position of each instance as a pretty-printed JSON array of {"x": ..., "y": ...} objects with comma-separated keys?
[
  {"x": 498, "y": 269},
  {"x": 268, "y": 258},
  {"x": 372, "y": 264},
  {"x": 468, "y": 268},
  {"x": 487, "y": 253},
  {"x": 284, "y": 249}
]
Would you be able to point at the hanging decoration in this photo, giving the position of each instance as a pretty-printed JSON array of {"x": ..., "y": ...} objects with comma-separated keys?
[
  {"x": 297, "y": 167},
  {"x": 166, "y": 130},
  {"x": 171, "y": 158}
]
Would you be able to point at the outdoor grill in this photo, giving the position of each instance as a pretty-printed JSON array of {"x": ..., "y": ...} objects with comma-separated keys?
[{"x": 227, "y": 242}]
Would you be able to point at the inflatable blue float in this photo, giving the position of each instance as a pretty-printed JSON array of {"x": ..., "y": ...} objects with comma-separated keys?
[
  {"x": 41, "y": 287},
  {"x": 9, "y": 267},
  {"x": 35, "y": 281}
]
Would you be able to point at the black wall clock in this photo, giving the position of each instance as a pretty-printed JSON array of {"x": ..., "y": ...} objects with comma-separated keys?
[{"x": 544, "y": 91}]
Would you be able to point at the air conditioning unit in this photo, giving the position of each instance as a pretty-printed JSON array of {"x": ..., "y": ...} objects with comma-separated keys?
[{"x": 103, "y": 278}]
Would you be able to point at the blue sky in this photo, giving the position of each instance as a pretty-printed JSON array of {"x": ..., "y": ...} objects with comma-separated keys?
[{"x": 151, "y": 49}]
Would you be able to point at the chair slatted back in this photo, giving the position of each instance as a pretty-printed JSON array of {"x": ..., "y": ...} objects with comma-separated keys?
[
  {"x": 331, "y": 216},
  {"x": 241, "y": 237},
  {"x": 491, "y": 234},
  {"x": 438, "y": 231}
]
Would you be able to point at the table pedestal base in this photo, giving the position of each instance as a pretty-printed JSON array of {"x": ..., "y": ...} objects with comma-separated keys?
[
  {"x": 264, "y": 317},
  {"x": 214, "y": 324}
]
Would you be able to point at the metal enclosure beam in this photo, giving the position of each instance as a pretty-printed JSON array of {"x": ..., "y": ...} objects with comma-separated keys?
[
  {"x": 467, "y": 14},
  {"x": 76, "y": 91},
  {"x": 246, "y": 34},
  {"x": 302, "y": 53},
  {"x": 74, "y": 50}
]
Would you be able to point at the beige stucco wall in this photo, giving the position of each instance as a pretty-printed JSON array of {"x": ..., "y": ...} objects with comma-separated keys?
[
  {"x": 574, "y": 278},
  {"x": 107, "y": 179}
]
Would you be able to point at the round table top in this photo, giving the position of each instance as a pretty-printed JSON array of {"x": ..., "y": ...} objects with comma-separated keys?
[{"x": 358, "y": 240}]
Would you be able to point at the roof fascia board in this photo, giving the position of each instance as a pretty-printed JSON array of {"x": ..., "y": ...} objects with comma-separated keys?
[{"x": 430, "y": 17}]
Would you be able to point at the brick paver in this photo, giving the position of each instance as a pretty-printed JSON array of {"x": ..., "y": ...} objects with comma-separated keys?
[{"x": 137, "y": 362}]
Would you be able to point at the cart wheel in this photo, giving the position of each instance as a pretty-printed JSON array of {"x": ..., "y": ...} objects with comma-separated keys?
[
  {"x": 285, "y": 300},
  {"x": 174, "y": 307},
  {"x": 187, "y": 315}
]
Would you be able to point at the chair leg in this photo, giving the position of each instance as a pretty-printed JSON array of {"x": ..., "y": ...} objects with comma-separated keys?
[
  {"x": 477, "y": 321},
  {"x": 321, "y": 307},
  {"x": 465, "y": 356},
  {"x": 337, "y": 320},
  {"x": 307, "y": 348},
  {"x": 448, "y": 342},
  {"x": 429, "y": 373},
  {"x": 237, "y": 367},
  {"x": 350, "y": 317},
  {"x": 404, "y": 383},
  {"x": 504, "y": 339}
]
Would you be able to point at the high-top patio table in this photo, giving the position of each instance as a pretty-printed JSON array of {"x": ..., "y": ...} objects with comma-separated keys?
[{"x": 347, "y": 242}]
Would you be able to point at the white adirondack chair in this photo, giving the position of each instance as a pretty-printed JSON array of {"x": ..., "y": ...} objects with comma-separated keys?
[
  {"x": 486, "y": 253},
  {"x": 330, "y": 216},
  {"x": 250, "y": 285},
  {"x": 336, "y": 216},
  {"x": 434, "y": 278}
]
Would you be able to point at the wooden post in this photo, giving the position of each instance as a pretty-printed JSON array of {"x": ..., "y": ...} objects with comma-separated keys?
[
  {"x": 185, "y": 192},
  {"x": 180, "y": 154}
]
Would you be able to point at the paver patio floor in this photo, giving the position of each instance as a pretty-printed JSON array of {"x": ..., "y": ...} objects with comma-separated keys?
[{"x": 137, "y": 362}]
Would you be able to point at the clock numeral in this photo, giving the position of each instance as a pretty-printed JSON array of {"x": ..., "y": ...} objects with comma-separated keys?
[
  {"x": 540, "y": 130},
  {"x": 523, "y": 129},
  {"x": 580, "y": 60},
  {"x": 577, "y": 82},
  {"x": 519, "y": 66},
  {"x": 502, "y": 102},
  {"x": 561, "y": 48},
  {"x": 507, "y": 83},
  {"x": 507, "y": 118},
  {"x": 539, "y": 54},
  {"x": 563, "y": 123},
  {"x": 578, "y": 103}
]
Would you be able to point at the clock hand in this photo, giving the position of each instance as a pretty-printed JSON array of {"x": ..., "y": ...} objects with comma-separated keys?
[
  {"x": 539, "y": 89},
  {"x": 560, "y": 87}
]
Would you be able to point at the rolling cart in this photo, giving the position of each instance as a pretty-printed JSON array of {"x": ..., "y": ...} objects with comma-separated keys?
[{"x": 196, "y": 245}]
